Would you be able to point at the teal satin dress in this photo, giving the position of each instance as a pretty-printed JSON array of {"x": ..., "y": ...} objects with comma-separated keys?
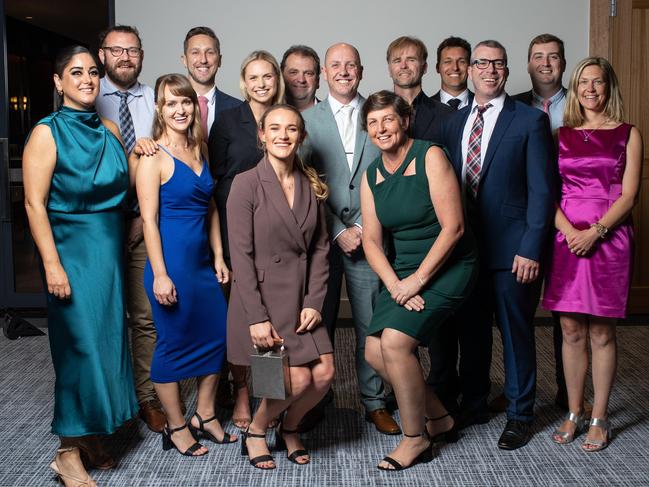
[{"x": 94, "y": 392}]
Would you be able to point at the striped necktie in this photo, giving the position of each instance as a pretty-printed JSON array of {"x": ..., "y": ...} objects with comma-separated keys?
[
  {"x": 473, "y": 156},
  {"x": 126, "y": 121}
]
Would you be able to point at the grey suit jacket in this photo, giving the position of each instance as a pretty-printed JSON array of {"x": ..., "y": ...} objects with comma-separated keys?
[{"x": 323, "y": 149}]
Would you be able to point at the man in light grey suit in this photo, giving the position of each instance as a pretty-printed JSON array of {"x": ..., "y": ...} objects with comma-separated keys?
[{"x": 340, "y": 150}]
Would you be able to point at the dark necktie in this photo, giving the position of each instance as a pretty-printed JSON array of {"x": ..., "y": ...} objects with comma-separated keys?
[
  {"x": 454, "y": 103},
  {"x": 126, "y": 121},
  {"x": 473, "y": 157}
]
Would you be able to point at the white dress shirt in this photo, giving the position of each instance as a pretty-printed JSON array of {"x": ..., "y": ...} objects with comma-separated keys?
[
  {"x": 140, "y": 103},
  {"x": 490, "y": 116},
  {"x": 340, "y": 122},
  {"x": 444, "y": 97}
]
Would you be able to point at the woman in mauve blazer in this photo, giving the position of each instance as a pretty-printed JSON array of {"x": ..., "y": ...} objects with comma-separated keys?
[{"x": 278, "y": 247}]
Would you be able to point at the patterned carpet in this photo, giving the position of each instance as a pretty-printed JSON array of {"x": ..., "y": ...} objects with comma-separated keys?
[{"x": 345, "y": 449}]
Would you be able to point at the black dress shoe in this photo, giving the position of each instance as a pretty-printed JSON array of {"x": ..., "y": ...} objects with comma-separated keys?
[{"x": 515, "y": 435}]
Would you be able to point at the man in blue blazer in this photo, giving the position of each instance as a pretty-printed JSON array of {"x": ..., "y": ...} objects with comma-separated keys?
[
  {"x": 340, "y": 150},
  {"x": 503, "y": 153},
  {"x": 202, "y": 58}
]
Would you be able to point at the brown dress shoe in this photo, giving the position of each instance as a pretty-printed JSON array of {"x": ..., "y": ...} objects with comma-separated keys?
[
  {"x": 152, "y": 414},
  {"x": 383, "y": 422}
]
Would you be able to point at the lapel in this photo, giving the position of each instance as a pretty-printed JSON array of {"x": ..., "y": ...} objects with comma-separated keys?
[
  {"x": 247, "y": 120},
  {"x": 502, "y": 124},
  {"x": 331, "y": 134},
  {"x": 275, "y": 195},
  {"x": 456, "y": 140},
  {"x": 361, "y": 137}
]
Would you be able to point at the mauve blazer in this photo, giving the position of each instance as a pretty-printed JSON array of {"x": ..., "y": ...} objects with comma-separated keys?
[{"x": 279, "y": 262}]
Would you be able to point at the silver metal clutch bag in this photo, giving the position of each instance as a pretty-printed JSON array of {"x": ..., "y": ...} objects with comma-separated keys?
[{"x": 270, "y": 375}]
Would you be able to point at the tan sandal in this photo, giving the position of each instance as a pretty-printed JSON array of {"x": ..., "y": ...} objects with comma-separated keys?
[
  {"x": 62, "y": 477},
  {"x": 241, "y": 422}
]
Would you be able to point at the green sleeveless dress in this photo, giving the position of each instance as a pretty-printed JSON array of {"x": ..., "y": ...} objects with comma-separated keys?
[
  {"x": 410, "y": 228},
  {"x": 94, "y": 392}
]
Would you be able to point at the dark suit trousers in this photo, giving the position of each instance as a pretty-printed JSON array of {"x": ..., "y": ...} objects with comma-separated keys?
[{"x": 471, "y": 330}]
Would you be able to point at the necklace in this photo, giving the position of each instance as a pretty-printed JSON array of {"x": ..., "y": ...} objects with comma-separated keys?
[{"x": 586, "y": 134}]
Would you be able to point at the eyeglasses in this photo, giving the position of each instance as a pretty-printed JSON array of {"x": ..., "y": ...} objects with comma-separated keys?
[
  {"x": 117, "y": 51},
  {"x": 484, "y": 63}
]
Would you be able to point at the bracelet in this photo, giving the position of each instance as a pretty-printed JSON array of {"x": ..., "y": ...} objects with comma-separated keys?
[
  {"x": 601, "y": 229},
  {"x": 421, "y": 281}
]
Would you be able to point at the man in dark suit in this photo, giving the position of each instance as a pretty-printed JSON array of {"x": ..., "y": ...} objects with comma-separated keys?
[
  {"x": 338, "y": 147},
  {"x": 503, "y": 153},
  {"x": 300, "y": 68},
  {"x": 453, "y": 55},
  {"x": 407, "y": 63},
  {"x": 202, "y": 58}
]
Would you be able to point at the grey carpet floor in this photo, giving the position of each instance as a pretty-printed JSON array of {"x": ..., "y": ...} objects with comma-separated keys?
[{"x": 345, "y": 449}]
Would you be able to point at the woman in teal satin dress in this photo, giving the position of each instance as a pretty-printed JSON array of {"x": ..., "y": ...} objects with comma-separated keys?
[{"x": 76, "y": 177}]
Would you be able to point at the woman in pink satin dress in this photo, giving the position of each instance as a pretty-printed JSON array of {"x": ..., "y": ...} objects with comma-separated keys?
[{"x": 590, "y": 271}]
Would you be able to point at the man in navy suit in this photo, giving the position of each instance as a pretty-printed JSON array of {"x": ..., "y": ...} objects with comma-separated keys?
[
  {"x": 453, "y": 55},
  {"x": 202, "y": 58},
  {"x": 407, "y": 63},
  {"x": 503, "y": 153}
]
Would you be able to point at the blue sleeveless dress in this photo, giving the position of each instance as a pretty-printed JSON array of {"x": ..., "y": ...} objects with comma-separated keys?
[
  {"x": 191, "y": 333},
  {"x": 94, "y": 392}
]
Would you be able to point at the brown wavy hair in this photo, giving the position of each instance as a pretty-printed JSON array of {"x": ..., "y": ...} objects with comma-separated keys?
[
  {"x": 318, "y": 186},
  {"x": 178, "y": 85}
]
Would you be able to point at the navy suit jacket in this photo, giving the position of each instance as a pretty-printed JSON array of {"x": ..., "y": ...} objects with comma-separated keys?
[
  {"x": 514, "y": 208},
  {"x": 429, "y": 118}
]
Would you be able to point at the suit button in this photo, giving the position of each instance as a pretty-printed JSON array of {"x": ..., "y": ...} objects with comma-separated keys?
[
  {"x": 276, "y": 258},
  {"x": 345, "y": 210},
  {"x": 351, "y": 186}
]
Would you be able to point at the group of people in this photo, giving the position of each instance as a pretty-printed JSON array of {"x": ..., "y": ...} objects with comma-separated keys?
[{"x": 240, "y": 219}]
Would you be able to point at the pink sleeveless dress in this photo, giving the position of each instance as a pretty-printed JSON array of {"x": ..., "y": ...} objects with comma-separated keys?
[{"x": 591, "y": 178}]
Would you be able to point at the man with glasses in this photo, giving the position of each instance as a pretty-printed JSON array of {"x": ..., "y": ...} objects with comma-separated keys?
[
  {"x": 130, "y": 104},
  {"x": 503, "y": 152}
]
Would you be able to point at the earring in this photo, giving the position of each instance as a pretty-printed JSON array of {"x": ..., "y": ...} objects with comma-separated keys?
[{"x": 60, "y": 92}]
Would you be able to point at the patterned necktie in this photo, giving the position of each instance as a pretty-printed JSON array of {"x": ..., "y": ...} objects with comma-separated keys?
[
  {"x": 348, "y": 133},
  {"x": 454, "y": 103},
  {"x": 202, "y": 104},
  {"x": 126, "y": 121},
  {"x": 546, "y": 105},
  {"x": 473, "y": 157}
]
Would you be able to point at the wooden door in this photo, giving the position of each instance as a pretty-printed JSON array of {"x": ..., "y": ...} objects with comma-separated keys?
[{"x": 619, "y": 31}]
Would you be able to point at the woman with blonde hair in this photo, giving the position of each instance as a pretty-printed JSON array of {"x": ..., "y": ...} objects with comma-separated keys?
[
  {"x": 184, "y": 267},
  {"x": 279, "y": 256},
  {"x": 234, "y": 149},
  {"x": 590, "y": 271}
]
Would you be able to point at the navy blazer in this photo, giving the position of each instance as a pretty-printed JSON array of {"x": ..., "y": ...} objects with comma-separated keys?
[
  {"x": 233, "y": 149},
  {"x": 223, "y": 102},
  {"x": 514, "y": 208},
  {"x": 429, "y": 117}
]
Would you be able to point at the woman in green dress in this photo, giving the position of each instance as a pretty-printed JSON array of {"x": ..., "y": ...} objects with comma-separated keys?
[
  {"x": 410, "y": 202},
  {"x": 76, "y": 177}
]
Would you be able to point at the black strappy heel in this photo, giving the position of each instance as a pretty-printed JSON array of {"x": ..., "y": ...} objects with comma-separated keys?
[
  {"x": 259, "y": 459},
  {"x": 168, "y": 444},
  {"x": 280, "y": 444},
  {"x": 200, "y": 432},
  {"x": 424, "y": 457},
  {"x": 450, "y": 436}
]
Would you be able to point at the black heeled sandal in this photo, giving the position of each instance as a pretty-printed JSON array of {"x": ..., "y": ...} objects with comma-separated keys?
[
  {"x": 424, "y": 457},
  {"x": 450, "y": 436},
  {"x": 200, "y": 432},
  {"x": 168, "y": 444},
  {"x": 280, "y": 444},
  {"x": 258, "y": 459}
]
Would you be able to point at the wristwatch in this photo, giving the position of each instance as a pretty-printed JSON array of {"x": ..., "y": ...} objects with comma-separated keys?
[{"x": 601, "y": 229}]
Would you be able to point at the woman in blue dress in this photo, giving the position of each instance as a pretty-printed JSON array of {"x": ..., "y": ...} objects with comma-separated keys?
[
  {"x": 76, "y": 177},
  {"x": 182, "y": 275}
]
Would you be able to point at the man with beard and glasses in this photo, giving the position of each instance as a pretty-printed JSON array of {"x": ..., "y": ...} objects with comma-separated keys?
[
  {"x": 407, "y": 63},
  {"x": 202, "y": 58},
  {"x": 130, "y": 105}
]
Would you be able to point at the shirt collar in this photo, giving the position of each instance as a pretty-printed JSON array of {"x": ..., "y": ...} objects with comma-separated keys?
[
  {"x": 444, "y": 97},
  {"x": 558, "y": 96},
  {"x": 497, "y": 103},
  {"x": 336, "y": 105},
  {"x": 109, "y": 88}
]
